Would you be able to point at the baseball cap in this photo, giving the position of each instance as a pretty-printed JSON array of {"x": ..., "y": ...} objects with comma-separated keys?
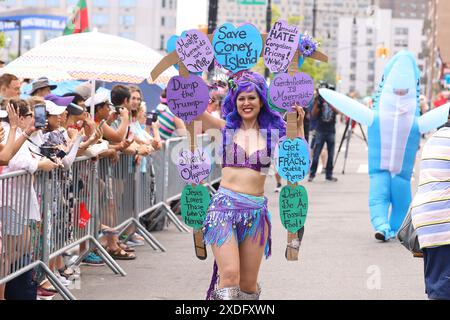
[
  {"x": 53, "y": 109},
  {"x": 59, "y": 101},
  {"x": 99, "y": 97}
]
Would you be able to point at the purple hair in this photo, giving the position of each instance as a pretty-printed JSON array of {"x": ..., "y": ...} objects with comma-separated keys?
[{"x": 268, "y": 119}]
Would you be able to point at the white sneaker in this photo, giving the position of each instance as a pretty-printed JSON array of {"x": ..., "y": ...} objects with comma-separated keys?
[{"x": 63, "y": 280}]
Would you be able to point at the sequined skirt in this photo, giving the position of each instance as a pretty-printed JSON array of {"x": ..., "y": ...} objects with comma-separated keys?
[{"x": 236, "y": 214}]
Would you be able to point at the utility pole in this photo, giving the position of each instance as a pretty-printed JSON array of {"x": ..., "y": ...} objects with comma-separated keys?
[
  {"x": 19, "y": 26},
  {"x": 314, "y": 18},
  {"x": 268, "y": 24},
  {"x": 212, "y": 15}
]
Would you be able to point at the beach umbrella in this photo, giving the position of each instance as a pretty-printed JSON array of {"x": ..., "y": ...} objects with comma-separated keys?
[{"x": 95, "y": 56}]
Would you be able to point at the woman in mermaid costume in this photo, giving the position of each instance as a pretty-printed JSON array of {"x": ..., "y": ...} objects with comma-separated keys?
[{"x": 238, "y": 223}]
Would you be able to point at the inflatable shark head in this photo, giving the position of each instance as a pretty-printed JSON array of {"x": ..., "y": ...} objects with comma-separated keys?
[{"x": 401, "y": 79}]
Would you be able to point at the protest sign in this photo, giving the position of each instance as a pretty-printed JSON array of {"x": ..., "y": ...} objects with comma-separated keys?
[
  {"x": 286, "y": 91},
  {"x": 194, "y": 205},
  {"x": 292, "y": 159},
  {"x": 195, "y": 51},
  {"x": 237, "y": 49},
  {"x": 293, "y": 207},
  {"x": 188, "y": 97},
  {"x": 194, "y": 166},
  {"x": 281, "y": 45}
]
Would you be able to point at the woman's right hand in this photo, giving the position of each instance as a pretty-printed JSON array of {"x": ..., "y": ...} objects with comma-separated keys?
[{"x": 46, "y": 164}]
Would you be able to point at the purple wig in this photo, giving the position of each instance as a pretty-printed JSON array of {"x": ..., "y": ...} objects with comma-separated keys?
[{"x": 268, "y": 119}]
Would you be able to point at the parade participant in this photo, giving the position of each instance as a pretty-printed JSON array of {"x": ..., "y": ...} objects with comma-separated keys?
[
  {"x": 238, "y": 223},
  {"x": 394, "y": 128}
]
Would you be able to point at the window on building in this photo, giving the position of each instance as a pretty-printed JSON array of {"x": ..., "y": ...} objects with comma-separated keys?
[
  {"x": 163, "y": 3},
  {"x": 127, "y": 3},
  {"x": 163, "y": 21},
  {"x": 401, "y": 31},
  {"x": 100, "y": 3},
  {"x": 126, "y": 20},
  {"x": 161, "y": 42},
  {"x": 99, "y": 19},
  {"x": 352, "y": 77},
  {"x": 52, "y": 3}
]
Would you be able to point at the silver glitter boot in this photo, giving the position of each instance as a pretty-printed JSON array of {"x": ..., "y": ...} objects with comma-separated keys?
[
  {"x": 231, "y": 293},
  {"x": 250, "y": 296}
]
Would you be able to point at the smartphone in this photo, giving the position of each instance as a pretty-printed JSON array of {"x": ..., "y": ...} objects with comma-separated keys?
[
  {"x": 151, "y": 117},
  {"x": 129, "y": 136},
  {"x": 40, "y": 117}
]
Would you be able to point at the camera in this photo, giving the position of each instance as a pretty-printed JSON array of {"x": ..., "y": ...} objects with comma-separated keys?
[{"x": 151, "y": 117}]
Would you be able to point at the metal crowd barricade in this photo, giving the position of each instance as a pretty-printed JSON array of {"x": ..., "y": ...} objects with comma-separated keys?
[
  {"x": 115, "y": 195},
  {"x": 119, "y": 199},
  {"x": 22, "y": 234}
]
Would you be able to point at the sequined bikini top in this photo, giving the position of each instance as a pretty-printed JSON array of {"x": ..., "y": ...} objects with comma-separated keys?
[{"x": 235, "y": 156}]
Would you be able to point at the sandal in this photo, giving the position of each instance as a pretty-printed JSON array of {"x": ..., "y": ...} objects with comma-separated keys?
[
  {"x": 120, "y": 254},
  {"x": 293, "y": 244},
  {"x": 126, "y": 248},
  {"x": 47, "y": 285},
  {"x": 200, "y": 247}
]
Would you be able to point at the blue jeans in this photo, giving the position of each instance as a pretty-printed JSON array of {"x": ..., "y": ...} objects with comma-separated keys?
[{"x": 320, "y": 139}]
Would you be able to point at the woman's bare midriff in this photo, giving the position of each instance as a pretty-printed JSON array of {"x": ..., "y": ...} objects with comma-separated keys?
[{"x": 243, "y": 180}]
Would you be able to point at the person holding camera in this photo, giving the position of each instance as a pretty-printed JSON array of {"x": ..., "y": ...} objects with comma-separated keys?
[
  {"x": 325, "y": 132},
  {"x": 24, "y": 159}
]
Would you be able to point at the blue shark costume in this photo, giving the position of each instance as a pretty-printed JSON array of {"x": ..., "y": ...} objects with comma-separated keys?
[{"x": 394, "y": 129}]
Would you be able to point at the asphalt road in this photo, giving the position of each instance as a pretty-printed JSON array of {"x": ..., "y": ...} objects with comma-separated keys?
[{"x": 339, "y": 256}]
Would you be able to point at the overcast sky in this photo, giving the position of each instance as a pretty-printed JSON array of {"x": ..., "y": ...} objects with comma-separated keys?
[{"x": 190, "y": 14}]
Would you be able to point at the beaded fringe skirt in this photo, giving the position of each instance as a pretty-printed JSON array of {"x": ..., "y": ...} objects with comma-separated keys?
[{"x": 233, "y": 214}]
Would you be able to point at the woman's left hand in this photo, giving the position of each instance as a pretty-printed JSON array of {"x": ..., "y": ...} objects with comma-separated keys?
[
  {"x": 12, "y": 116},
  {"x": 300, "y": 115}
]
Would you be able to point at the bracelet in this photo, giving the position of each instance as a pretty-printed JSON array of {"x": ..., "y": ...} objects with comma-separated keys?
[{"x": 25, "y": 135}]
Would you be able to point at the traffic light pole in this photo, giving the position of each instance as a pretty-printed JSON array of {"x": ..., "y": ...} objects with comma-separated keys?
[{"x": 268, "y": 24}]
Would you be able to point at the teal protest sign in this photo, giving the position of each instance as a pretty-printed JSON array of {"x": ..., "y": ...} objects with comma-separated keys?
[
  {"x": 194, "y": 205},
  {"x": 293, "y": 207},
  {"x": 237, "y": 49},
  {"x": 292, "y": 159}
]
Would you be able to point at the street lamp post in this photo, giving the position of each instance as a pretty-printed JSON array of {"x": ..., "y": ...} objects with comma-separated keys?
[
  {"x": 314, "y": 18},
  {"x": 268, "y": 23}
]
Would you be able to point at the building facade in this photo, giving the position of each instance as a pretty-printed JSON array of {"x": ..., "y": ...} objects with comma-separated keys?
[
  {"x": 148, "y": 22},
  {"x": 328, "y": 13},
  {"x": 437, "y": 50},
  {"x": 359, "y": 67}
]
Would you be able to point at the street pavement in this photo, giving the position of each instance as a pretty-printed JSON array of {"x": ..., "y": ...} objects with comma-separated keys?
[{"x": 339, "y": 256}]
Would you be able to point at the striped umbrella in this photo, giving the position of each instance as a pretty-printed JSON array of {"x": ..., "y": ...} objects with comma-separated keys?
[{"x": 96, "y": 56}]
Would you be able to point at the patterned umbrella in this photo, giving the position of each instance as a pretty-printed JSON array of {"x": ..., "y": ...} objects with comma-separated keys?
[
  {"x": 34, "y": 72},
  {"x": 95, "y": 55}
]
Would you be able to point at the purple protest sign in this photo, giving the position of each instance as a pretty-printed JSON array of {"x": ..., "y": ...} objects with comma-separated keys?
[
  {"x": 188, "y": 97},
  {"x": 195, "y": 51},
  {"x": 281, "y": 45},
  {"x": 194, "y": 167},
  {"x": 286, "y": 91}
]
